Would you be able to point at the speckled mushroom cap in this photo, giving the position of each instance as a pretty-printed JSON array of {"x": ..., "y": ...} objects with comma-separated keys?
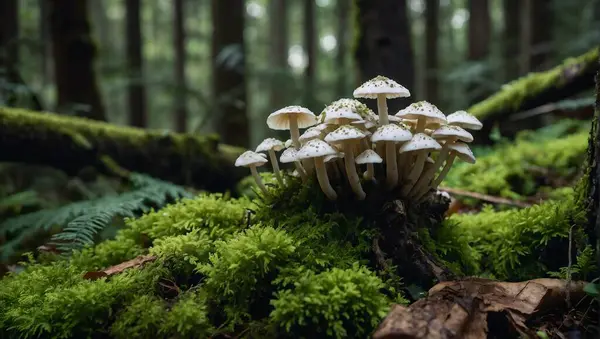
[
  {"x": 270, "y": 144},
  {"x": 449, "y": 131},
  {"x": 423, "y": 109},
  {"x": 250, "y": 158},
  {"x": 381, "y": 85},
  {"x": 280, "y": 119},
  {"x": 309, "y": 134},
  {"x": 344, "y": 133},
  {"x": 464, "y": 120},
  {"x": 344, "y": 109},
  {"x": 463, "y": 152},
  {"x": 420, "y": 142},
  {"x": 289, "y": 155},
  {"x": 328, "y": 158},
  {"x": 368, "y": 157},
  {"x": 315, "y": 148},
  {"x": 391, "y": 132},
  {"x": 288, "y": 143}
]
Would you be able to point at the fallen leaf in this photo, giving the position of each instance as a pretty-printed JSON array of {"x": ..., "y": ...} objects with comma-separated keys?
[{"x": 135, "y": 262}]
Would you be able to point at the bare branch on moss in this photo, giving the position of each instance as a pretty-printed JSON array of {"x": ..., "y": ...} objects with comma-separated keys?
[
  {"x": 485, "y": 197},
  {"x": 133, "y": 263},
  {"x": 71, "y": 144}
]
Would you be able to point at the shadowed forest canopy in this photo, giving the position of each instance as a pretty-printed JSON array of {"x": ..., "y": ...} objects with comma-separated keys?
[{"x": 299, "y": 169}]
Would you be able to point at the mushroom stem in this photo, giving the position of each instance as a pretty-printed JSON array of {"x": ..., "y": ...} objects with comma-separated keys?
[
  {"x": 259, "y": 182},
  {"x": 414, "y": 172},
  {"x": 301, "y": 171},
  {"x": 323, "y": 179},
  {"x": 444, "y": 171},
  {"x": 423, "y": 182},
  {"x": 294, "y": 131},
  {"x": 420, "y": 125},
  {"x": 391, "y": 166},
  {"x": 382, "y": 109},
  {"x": 364, "y": 144},
  {"x": 380, "y": 149},
  {"x": 370, "y": 173},
  {"x": 275, "y": 165},
  {"x": 351, "y": 171}
]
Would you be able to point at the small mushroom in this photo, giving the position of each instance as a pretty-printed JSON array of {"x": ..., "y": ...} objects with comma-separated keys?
[
  {"x": 292, "y": 118},
  {"x": 290, "y": 155},
  {"x": 391, "y": 134},
  {"x": 310, "y": 134},
  {"x": 369, "y": 157},
  {"x": 252, "y": 160},
  {"x": 272, "y": 145},
  {"x": 421, "y": 144},
  {"x": 464, "y": 120},
  {"x": 317, "y": 149},
  {"x": 424, "y": 112},
  {"x": 347, "y": 135},
  {"x": 342, "y": 111},
  {"x": 381, "y": 88}
]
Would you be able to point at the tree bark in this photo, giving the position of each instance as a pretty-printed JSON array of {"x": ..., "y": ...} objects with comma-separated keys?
[
  {"x": 541, "y": 34},
  {"x": 343, "y": 10},
  {"x": 229, "y": 75},
  {"x": 179, "y": 39},
  {"x": 278, "y": 32},
  {"x": 136, "y": 94},
  {"x": 480, "y": 32},
  {"x": 72, "y": 144},
  {"x": 73, "y": 53},
  {"x": 431, "y": 49},
  {"x": 45, "y": 46},
  {"x": 384, "y": 44},
  {"x": 512, "y": 29},
  {"x": 9, "y": 51},
  {"x": 311, "y": 53}
]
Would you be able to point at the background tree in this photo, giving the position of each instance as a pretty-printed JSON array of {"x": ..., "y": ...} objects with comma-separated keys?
[
  {"x": 311, "y": 53},
  {"x": 540, "y": 23},
  {"x": 480, "y": 27},
  {"x": 179, "y": 62},
  {"x": 512, "y": 29},
  {"x": 136, "y": 95},
  {"x": 431, "y": 50},
  {"x": 9, "y": 51},
  {"x": 278, "y": 53}
]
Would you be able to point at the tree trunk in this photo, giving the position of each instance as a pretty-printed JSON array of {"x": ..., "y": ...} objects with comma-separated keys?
[
  {"x": 525, "y": 37},
  {"x": 9, "y": 51},
  {"x": 45, "y": 47},
  {"x": 180, "y": 61},
  {"x": 343, "y": 13},
  {"x": 136, "y": 94},
  {"x": 229, "y": 77},
  {"x": 480, "y": 32},
  {"x": 385, "y": 44},
  {"x": 541, "y": 34},
  {"x": 73, "y": 51},
  {"x": 512, "y": 30},
  {"x": 311, "y": 53},
  {"x": 431, "y": 49},
  {"x": 278, "y": 32}
]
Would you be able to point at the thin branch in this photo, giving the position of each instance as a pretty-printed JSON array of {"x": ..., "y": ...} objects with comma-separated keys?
[{"x": 485, "y": 197}]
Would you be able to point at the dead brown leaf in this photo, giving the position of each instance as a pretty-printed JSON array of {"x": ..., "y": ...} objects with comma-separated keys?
[{"x": 135, "y": 262}]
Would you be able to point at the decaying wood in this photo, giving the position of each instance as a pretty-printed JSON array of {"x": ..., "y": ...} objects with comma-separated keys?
[
  {"x": 116, "y": 269},
  {"x": 485, "y": 197},
  {"x": 468, "y": 308}
]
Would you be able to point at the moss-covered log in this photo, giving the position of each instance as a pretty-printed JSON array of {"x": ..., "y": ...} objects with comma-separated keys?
[
  {"x": 71, "y": 144},
  {"x": 573, "y": 76}
]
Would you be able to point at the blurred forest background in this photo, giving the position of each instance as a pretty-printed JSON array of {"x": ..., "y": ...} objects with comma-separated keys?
[{"x": 224, "y": 65}]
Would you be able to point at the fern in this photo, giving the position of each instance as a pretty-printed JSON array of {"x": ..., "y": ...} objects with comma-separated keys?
[{"x": 81, "y": 221}]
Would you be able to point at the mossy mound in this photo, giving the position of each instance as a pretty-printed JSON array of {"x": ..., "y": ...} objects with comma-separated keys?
[{"x": 291, "y": 264}]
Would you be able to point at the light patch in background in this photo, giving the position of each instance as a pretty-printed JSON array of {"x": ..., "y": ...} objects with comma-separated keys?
[
  {"x": 459, "y": 18},
  {"x": 297, "y": 58},
  {"x": 417, "y": 6},
  {"x": 255, "y": 10},
  {"x": 323, "y": 3},
  {"x": 328, "y": 42}
]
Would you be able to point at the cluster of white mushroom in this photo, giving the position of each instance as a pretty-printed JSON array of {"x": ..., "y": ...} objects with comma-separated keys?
[{"x": 414, "y": 144}]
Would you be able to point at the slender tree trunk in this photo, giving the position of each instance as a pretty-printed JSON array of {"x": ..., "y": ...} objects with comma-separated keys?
[
  {"x": 45, "y": 47},
  {"x": 525, "y": 37},
  {"x": 385, "y": 44},
  {"x": 311, "y": 52},
  {"x": 101, "y": 21},
  {"x": 229, "y": 77},
  {"x": 180, "y": 61},
  {"x": 9, "y": 51},
  {"x": 278, "y": 31},
  {"x": 512, "y": 29},
  {"x": 136, "y": 92},
  {"x": 73, "y": 54},
  {"x": 343, "y": 13},
  {"x": 541, "y": 34},
  {"x": 480, "y": 32},
  {"x": 431, "y": 49}
]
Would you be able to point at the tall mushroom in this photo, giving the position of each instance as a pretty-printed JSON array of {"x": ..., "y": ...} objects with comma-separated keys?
[
  {"x": 317, "y": 149},
  {"x": 272, "y": 145},
  {"x": 447, "y": 134},
  {"x": 369, "y": 157},
  {"x": 292, "y": 118},
  {"x": 425, "y": 113},
  {"x": 290, "y": 155},
  {"x": 347, "y": 136},
  {"x": 464, "y": 120},
  {"x": 421, "y": 144},
  {"x": 391, "y": 134},
  {"x": 252, "y": 160},
  {"x": 381, "y": 88}
]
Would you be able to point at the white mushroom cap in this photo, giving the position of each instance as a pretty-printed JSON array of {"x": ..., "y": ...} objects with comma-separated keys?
[
  {"x": 315, "y": 148},
  {"x": 343, "y": 133},
  {"x": 250, "y": 158},
  {"x": 322, "y": 127},
  {"x": 270, "y": 144},
  {"x": 309, "y": 134},
  {"x": 288, "y": 143},
  {"x": 420, "y": 142},
  {"x": 422, "y": 109},
  {"x": 328, "y": 158},
  {"x": 344, "y": 109},
  {"x": 364, "y": 123},
  {"x": 391, "y": 133},
  {"x": 430, "y": 160},
  {"x": 381, "y": 85},
  {"x": 449, "y": 131},
  {"x": 289, "y": 155},
  {"x": 280, "y": 119},
  {"x": 463, "y": 152},
  {"x": 368, "y": 157},
  {"x": 464, "y": 120}
]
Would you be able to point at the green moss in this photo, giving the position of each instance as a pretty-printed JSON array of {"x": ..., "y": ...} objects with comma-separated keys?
[{"x": 513, "y": 94}]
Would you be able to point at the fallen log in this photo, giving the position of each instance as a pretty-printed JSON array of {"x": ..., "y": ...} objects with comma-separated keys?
[{"x": 72, "y": 144}]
